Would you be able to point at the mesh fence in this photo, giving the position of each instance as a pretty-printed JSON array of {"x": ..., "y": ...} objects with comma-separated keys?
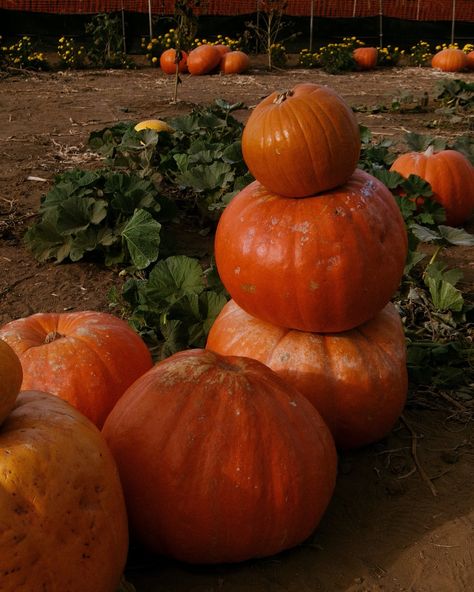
[{"x": 423, "y": 10}]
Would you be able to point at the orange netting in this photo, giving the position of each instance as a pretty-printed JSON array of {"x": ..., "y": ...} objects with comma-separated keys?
[{"x": 423, "y": 10}]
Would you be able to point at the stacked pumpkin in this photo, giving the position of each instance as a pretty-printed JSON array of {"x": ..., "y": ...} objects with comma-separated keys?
[{"x": 311, "y": 254}]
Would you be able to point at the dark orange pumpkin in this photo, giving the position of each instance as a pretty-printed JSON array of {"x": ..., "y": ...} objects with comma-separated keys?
[
  {"x": 470, "y": 60},
  {"x": 357, "y": 379},
  {"x": 234, "y": 62},
  {"x": 203, "y": 59},
  {"x": 365, "y": 57},
  {"x": 321, "y": 264},
  {"x": 301, "y": 142},
  {"x": 87, "y": 358},
  {"x": 222, "y": 49},
  {"x": 220, "y": 459},
  {"x": 449, "y": 60},
  {"x": 450, "y": 175},
  {"x": 168, "y": 61}
]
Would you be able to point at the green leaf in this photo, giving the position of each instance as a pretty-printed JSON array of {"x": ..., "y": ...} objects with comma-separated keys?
[
  {"x": 45, "y": 242},
  {"x": 173, "y": 278},
  {"x": 142, "y": 236},
  {"x": 423, "y": 234},
  {"x": 202, "y": 178},
  {"x": 445, "y": 296},
  {"x": 456, "y": 236}
]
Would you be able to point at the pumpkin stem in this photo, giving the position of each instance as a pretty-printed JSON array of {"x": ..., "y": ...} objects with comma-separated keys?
[
  {"x": 52, "y": 336},
  {"x": 283, "y": 96},
  {"x": 430, "y": 150}
]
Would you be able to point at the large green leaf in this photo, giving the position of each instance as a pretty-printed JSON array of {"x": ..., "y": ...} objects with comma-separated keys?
[
  {"x": 202, "y": 178},
  {"x": 173, "y": 278},
  {"x": 142, "y": 237}
]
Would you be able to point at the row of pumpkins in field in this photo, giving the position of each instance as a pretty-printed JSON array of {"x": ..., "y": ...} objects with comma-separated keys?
[
  {"x": 226, "y": 453},
  {"x": 450, "y": 59},
  {"x": 205, "y": 59}
]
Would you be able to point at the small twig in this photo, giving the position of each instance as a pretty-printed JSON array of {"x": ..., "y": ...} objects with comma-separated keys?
[
  {"x": 414, "y": 453},
  {"x": 15, "y": 283},
  {"x": 457, "y": 404}
]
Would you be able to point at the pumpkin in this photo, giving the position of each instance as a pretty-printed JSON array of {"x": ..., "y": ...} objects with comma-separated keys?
[
  {"x": 168, "y": 61},
  {"x": 321, "y": 264},
  {"x": 203, "y": 59},
  {"x": 357, "y": 379},
  {"x": 450, "y": 175},
  {"x": 222, "y": 49},
  {"x": 220, "y": 459},
  {"x": 157, "y": 125},
  {"x": 470, "y": 60},
  {"x": 62, "y": 512},
  {"x": 234, "y": 62},
  {"x": 87, "y": 358},
  {"x": 365, "y": 57},
  {"x": 11, "y": 376},
  {"x": 302, "y": 141},
  {"x": 449, "y": 60}
]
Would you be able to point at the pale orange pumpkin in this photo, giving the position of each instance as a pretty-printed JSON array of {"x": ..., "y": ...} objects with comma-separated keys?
[
  {"x": 62, "y": 512},
  {"x": 365, "y": 57},
  {"x": 301, "y": 142},
  {"x": 449, "y": 60},
  {"x": 234, "y": 62},
  {"x": 450, "y": 175},
  {"x": 87, "y": 358},
  {"x": 220, "y": 459},
  {"x": 357, "y": 379}
]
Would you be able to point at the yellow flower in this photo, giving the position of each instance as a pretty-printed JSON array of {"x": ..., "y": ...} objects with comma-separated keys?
[{"x": 154, "y": 60}]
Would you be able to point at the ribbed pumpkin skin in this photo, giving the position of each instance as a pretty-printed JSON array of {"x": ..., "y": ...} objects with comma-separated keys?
[
  {"x": 87, "y": 358},
  {"x": 234, "y": 62},
  {"x": 366, "y": 57},
  {"x": 203, "y": 59},
  {"x": 10, "y": 379},
  {"x": 450, "y": 175},
  {"x": 449, "y": 60},
  {"x": 220, "y": 460},
  {"x": 303, "y": 142},
  {"x": 321, "y": 264},
  {"x": 62, "y": 511},
  {"x": 357, "y": 379},
  {"x": 167, "y": 61}
]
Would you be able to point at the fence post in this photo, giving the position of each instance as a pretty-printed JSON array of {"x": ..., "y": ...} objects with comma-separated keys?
[
  {"x": 311, "y": 19},
  {"x": 453, "y": 21},
  {"x": 150, "y": 22},
  {"x": 380, "y": 24}
]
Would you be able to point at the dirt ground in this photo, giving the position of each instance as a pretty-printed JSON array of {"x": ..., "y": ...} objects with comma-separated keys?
[{"x": 402, "y": 517}]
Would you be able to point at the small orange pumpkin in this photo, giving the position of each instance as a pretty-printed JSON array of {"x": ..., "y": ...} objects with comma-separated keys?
[
  {"x": 365, "y": 57},
  {"x": 87, "y": 358},
  {"x": 234, "y": 62},
  {"x": 203, "y": 59},
  {"x": 450, "y": 60},
  {"x": 168, "y": 61},
  {"x": 302, "y": 141},
  {"x": 220, "y": 459},
  {"x": 450, "y": 175},
  {"x": 357, "y": 380},
  {"x": 470, "y": 60}
]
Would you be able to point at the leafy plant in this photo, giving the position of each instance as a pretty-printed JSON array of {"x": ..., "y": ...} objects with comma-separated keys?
[
  {"x": 336, "y": 57},
  {"x": 107, "y": 49},
  {"x": 22, "y": 55},
  {"x": 420, "y": 54},
  {"x": 175, "y": 306},
  {"x": 70, "y": 54},
  {"x": 113, "y": 215}
]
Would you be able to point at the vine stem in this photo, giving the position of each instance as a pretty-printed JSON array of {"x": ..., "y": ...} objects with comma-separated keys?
[{"x": 416, "y": 460}]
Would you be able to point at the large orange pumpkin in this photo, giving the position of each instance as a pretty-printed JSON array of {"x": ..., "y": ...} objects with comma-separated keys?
[
  {"x": 168, "y": 61},
  {"x": 449, "y": 60},
  {"x": 450, "y": 175},
  {"x": 301, "y": 142},
  {"x": 470, "y": 60},
  {"x": 87, "y": 358},
  {"x": 321, "y": 264},
  {"x": 357, "y": 379},
  {"x": 62, "y": 512},
  {"x": 234, "y": 62},
  {"x": 365, "y": 57},
  {"x": 11, "y": 376},
  {"x": 220, "y": 459},
  {"x": 203, "y": 59}
]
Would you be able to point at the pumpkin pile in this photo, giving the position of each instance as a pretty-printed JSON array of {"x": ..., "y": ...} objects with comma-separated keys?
[
  {"x": 62, "y": 511},
  {"x": 206, "y": 59},
  {"x": 311, "y": 254}
]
